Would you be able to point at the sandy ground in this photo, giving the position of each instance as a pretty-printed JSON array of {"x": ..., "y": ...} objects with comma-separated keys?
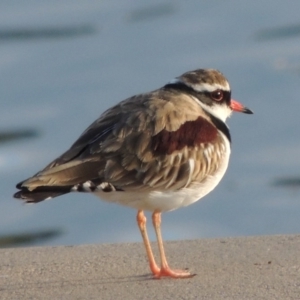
[{"x": 266, "y": 267}]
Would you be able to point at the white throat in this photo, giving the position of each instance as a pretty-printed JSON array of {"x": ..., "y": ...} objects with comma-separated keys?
[{"x": 221, "y": 112}]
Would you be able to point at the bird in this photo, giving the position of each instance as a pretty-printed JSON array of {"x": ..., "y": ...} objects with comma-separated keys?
[{"x": 156, "y": 152}]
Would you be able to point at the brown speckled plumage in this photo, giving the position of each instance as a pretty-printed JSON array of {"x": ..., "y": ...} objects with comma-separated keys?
[{"x": 125, "y": 146}]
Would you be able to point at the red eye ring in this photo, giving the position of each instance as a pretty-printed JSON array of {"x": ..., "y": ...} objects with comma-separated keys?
[{"x": 217, "y": 95}]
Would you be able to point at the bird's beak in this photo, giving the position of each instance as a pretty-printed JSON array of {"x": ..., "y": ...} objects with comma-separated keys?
[{"x": 236, "y": 106}]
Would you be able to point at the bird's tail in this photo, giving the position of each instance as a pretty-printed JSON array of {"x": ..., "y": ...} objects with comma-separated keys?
[
  {"x": 40, "y": 193},
  {"x": 58, "y": 180}
]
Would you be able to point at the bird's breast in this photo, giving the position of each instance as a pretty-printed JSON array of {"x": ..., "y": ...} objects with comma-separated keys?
[{"x": 163, "y": 200}]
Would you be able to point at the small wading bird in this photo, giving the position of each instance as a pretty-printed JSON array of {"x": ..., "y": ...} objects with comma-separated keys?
[{"x": 156, "y": 151}]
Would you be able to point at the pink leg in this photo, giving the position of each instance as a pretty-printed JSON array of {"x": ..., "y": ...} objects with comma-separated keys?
[
  {"x": 165, "y": 269},
  {"x": 141, "y": 220}
]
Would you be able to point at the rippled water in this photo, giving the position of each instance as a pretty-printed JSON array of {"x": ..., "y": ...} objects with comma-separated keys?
[{"x": 63, "y": 63}]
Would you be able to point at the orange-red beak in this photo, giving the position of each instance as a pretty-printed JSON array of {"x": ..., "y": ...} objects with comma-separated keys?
[{"x": 236, "y": 106}]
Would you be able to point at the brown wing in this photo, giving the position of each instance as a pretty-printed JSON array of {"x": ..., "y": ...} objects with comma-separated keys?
[
  {"x": 145, "y": 142},
  {"x": 169, "y": 159}
]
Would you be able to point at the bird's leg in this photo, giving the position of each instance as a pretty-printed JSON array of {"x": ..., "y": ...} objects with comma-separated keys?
[
  {"x": 141, "y": 220},
  {"x": 165, "y": 269}
]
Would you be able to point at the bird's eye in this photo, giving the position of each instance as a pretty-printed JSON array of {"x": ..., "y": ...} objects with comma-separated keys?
[{"x": 217, "y": 95}]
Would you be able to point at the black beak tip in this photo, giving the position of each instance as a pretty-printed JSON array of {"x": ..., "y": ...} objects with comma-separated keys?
[{"x": 248, "y": 111}]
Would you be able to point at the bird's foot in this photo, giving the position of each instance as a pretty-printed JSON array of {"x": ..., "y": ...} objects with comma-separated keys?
[{"x": 167, "y": 272}]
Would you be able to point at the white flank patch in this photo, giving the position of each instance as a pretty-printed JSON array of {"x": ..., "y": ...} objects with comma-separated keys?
[
  {"x": 102, "y": 186},
  {"x": 87, "y": 186},
  {"x": 74, "y": 188}
]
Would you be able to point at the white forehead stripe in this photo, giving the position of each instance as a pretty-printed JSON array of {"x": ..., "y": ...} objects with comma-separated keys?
[
  {"x": 206, "y": 87},
  {"x": 203, "y": 87}
]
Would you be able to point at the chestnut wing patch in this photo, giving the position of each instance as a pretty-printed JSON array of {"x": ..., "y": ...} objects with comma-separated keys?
[{"x": 189, "y": 134}]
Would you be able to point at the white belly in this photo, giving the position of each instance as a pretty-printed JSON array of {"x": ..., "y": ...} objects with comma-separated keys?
[{"x": 169, "y": 199}]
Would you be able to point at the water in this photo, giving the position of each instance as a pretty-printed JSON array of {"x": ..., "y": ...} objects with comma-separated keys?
[{"x": 63, "y": 63}]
